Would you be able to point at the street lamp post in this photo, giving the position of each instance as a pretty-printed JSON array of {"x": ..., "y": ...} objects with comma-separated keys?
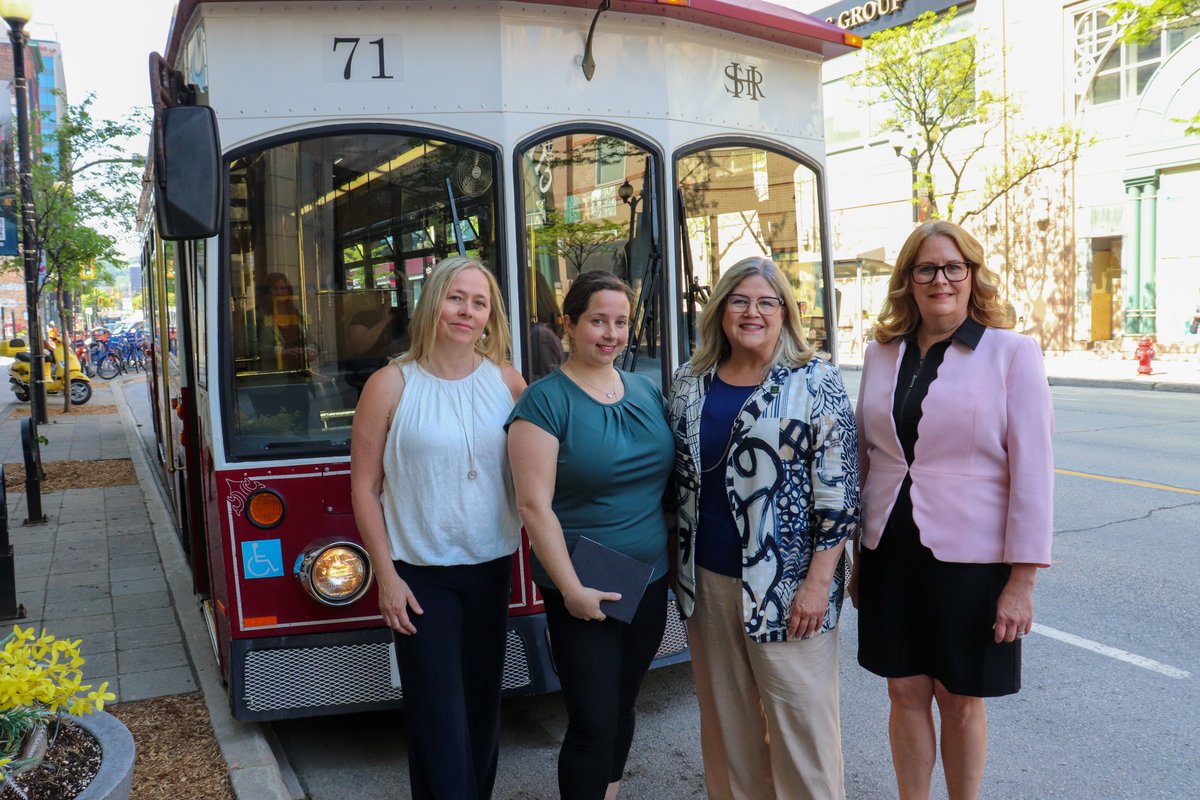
[
  {"x": 17, "y": 14},
  {"x": 625, "y": 192},
  {"x": 906, "y": 148}
]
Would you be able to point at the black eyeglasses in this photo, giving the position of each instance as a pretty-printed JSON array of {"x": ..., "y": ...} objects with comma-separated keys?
[
  {"x": 741, "y": 304},
  {"x": 955, "y": 271}
]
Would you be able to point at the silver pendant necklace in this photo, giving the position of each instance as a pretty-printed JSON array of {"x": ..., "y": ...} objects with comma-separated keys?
[
  {"x": 472, "y": 474},
  {"x": 609, "y": 395}
]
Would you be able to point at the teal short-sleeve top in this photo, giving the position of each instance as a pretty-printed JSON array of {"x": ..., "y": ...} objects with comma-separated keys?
[{"x": 613, "y": 463}]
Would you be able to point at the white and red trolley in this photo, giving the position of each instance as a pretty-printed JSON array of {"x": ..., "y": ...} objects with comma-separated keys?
[{"x": 354, "y": 144}]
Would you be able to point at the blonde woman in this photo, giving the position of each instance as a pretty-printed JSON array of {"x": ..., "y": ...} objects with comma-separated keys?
[
  {"x": 766, "y": 473},
  {"x": 434, "y": 504},
  {"x": 958, "y": 479}
]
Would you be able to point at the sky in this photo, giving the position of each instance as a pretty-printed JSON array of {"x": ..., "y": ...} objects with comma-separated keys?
[{"x": 106, "y": 49}]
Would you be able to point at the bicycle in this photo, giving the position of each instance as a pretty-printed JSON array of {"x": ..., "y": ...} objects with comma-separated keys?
[
  {"x": 107, "y": 357},
  {"x": 130, "y": 348}
]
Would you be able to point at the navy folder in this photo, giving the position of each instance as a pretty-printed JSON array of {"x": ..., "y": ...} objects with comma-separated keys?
[{"x": 602, "y": 568}]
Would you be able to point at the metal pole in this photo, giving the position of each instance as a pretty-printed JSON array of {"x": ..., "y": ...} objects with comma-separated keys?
[
  {"x": 37, "y": 358},
  {"x": 9, "y": 607},
  {"x": 916, "y": 198}
]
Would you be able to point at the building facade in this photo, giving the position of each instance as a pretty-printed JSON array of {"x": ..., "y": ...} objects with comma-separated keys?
[
  {"x": 47, "y": 105},
  {"x": 1093, "y": 255}
]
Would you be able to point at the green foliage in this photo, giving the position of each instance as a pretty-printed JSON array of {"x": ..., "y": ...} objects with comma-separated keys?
[
  {"x": 1144, "y": 21},
  {"x": 938, "y": 85},
  {"x": 93, "y": 182}
]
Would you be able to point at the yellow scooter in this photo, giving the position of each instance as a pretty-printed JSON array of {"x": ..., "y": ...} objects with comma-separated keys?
[{"x": 80, "y": 383}]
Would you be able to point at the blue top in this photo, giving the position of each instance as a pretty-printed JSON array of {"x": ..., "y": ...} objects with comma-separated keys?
[
  {"x": 613, "y": 464},
  {"x": 718, "y": 546}
]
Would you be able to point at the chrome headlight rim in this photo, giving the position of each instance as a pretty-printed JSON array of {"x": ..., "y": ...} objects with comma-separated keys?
[{"x": 306, "y": 561}]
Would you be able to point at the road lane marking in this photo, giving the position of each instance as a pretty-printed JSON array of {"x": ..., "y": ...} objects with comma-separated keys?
[
  {"x": 1129, "y": 481},
  {"x": 1112, "y": 652}
]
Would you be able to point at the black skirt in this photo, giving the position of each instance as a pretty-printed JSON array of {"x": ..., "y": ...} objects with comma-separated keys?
[{"x": 921, "y": 616}]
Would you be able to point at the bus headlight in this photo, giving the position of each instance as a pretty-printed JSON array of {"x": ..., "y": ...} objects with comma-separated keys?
[{"x": 334, "y": 572}]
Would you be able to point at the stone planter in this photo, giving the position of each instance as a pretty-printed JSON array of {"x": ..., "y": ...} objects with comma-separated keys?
[{"x": 115, "y": 777}]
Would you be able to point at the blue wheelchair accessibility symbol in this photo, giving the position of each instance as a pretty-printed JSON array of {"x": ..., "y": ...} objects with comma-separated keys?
[{"x": 262, "y": 559}]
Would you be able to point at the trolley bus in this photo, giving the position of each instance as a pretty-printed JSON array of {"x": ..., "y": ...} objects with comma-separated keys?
[{"x": 312, "y": 161}]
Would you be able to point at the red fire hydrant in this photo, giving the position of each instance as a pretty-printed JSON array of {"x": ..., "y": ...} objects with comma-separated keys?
[{"x": 1144, "y": 354}]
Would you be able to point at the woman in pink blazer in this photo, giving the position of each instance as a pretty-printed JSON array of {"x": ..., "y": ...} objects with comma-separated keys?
[{"x": 956, "y": 469}]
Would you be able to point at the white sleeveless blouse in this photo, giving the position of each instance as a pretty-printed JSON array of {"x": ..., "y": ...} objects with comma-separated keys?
[{"x": 436, "y": 515}]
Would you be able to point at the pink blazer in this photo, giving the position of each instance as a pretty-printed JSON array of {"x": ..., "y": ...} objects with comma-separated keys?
[{"x": 983, "y": 469}]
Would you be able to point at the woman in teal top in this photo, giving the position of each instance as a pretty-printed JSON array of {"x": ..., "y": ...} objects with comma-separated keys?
[{"x": 591, "y": 453}]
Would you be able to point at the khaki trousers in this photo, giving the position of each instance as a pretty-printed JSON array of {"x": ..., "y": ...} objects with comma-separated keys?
[{"x": 770, "y": 723}]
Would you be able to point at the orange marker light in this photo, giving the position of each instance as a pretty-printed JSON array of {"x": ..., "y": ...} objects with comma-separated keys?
[
  {"x": 265, "y": 509},
  {"x": 259, "y": 622},
  {"x": 674, "y": 2},
  {"x": 852, "y": 39}
]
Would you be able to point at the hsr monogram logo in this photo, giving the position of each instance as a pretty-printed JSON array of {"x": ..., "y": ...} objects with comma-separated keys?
[{"x": 744, "y": 81}]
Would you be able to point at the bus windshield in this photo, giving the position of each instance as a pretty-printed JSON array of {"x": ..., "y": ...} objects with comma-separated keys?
[{"x": 330, "y": 241}]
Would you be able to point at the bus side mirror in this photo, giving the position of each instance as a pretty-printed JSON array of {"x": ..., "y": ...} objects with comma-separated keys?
[{"x": 187, "y": 170}]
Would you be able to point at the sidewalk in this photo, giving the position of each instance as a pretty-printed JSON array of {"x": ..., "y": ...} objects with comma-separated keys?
[
  {"x": 107, "y": 567},
  {"x": 1086, "y": 369}
]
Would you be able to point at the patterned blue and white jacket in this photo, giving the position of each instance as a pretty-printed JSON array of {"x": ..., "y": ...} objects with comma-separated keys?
[{"x": 792, "y": 478}]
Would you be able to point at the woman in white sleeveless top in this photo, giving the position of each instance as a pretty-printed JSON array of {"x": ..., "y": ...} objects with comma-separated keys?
[{"x": 434, "y": 504}]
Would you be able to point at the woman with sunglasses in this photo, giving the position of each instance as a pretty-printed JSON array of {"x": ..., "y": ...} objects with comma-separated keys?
[
  {"x": 955, "y": 462},
  {"x": 766, "y": 475}
]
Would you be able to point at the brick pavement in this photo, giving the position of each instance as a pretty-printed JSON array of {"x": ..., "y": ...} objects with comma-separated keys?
[
  {"x": 93, "y": 570},
  {"x": 107, "y": 567}
]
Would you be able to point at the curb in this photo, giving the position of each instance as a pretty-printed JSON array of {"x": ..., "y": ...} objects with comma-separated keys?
[
  {"x": 1130, "y": 384},
  {"x": 253, "y": 770}
]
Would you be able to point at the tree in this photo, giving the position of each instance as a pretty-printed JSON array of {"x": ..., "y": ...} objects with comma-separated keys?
[
  {"x": 938, "y": 86},
  {"x": 68, "y": 213},
  {"x": 1142, "y": 22},
  {"x": 577, "y": 241}
]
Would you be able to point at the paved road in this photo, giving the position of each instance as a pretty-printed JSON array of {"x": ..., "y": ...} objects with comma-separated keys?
[{"x": 1104, "y": 713}]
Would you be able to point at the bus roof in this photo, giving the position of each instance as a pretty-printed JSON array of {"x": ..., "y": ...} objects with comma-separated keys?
[{"x": 757, "y": 19}]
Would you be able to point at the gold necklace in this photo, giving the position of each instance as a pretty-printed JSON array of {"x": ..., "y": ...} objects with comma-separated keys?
[{"x": 578, "y": 377}]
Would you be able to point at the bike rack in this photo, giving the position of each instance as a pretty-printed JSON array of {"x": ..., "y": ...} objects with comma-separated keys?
[
  {"x": 33, "y": 472},
  {"x": 9, "y": 607}
]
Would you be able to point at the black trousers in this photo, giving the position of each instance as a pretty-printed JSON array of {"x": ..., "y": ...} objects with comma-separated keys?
[
  {"x": 601, "y": 666},
  {"x": 451, "y": 670}
]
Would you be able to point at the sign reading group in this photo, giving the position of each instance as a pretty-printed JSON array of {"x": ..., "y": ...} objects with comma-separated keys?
[{"x": 864, "y": 18}]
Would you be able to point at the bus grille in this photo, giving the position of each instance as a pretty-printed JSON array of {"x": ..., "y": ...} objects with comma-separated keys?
[
  {"x": 516, "y": 664},
  {"x": 674, "y": 639},
  {"x": 319, "y": 676},
  {"x": 344, "y": 675}
]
